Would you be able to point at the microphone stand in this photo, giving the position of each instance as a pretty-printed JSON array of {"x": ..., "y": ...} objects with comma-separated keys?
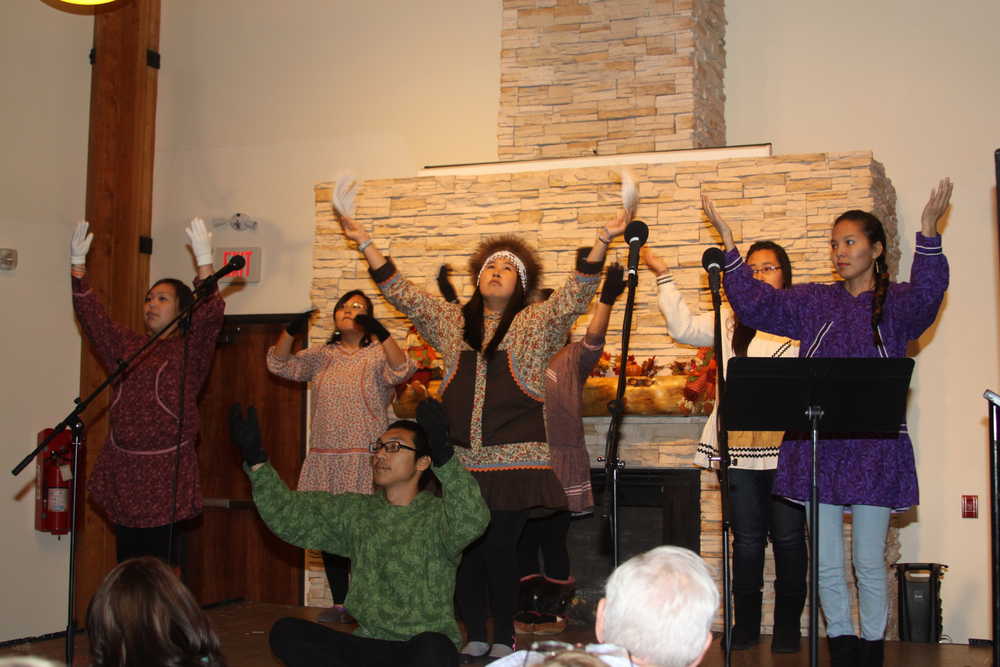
[
  {"x": 722, "y": 439},
  {"x": 612, "y": 464},
  {"x": 74, "y": 421},
  {"x": 993, "y": 403}
]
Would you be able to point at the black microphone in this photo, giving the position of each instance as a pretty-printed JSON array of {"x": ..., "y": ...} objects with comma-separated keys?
[
  {"x": 713, "y": 260},
  {"x": 635, "y": 234},
  {"x": 235, "y": 263}
]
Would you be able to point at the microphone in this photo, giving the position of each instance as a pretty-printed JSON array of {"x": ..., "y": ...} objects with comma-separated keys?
[
  {"x": 635, "y": 234},
  {"x": 713, "y": 260},
  {"x": 235, "y": 263}
]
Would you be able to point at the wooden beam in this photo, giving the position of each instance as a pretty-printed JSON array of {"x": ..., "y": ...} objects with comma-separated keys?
[{"x": 119, "y": 201}]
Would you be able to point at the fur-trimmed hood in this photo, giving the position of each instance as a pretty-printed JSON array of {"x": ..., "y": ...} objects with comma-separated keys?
[{"x": 511, "y": 243}]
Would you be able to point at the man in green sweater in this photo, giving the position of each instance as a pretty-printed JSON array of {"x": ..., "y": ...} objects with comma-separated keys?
[{"x": 404, "y": 545}]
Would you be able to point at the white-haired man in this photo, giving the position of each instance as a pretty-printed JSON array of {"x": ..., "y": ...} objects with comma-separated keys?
[{"x": 657, "y": 612}]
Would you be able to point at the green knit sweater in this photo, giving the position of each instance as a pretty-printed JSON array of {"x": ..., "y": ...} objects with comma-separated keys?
[{"x": 403, "y": 559}]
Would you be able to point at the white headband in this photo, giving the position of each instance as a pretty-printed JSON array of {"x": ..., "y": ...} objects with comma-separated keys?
[{"x": 507, "y": 254}]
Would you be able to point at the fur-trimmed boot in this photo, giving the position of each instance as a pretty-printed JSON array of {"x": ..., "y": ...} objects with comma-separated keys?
[
  {"x": 528, "y": 595},
  {"x": 843, "y": 651},
  {"x": 556, "y": 596}
]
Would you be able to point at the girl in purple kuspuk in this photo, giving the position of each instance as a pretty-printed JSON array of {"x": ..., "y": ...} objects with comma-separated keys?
[{"x": 864, "y": 315}]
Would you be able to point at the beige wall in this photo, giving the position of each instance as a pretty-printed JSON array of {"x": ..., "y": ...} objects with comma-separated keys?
[
  {"x": 915, "y": 81},
  {"x": 44, "y": 118},
  {"x": 258, "y": 104}
]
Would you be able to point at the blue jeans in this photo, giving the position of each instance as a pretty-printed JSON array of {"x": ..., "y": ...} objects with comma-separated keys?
[
  {"x": 755, "y": 515},
  {"x": 871, "y": 524}
]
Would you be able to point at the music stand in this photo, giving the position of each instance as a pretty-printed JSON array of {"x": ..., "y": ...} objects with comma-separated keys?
[{"x": 861, "y": 398}]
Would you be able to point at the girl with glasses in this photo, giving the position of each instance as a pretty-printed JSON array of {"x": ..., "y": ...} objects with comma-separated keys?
[{"x": 756, "y": 514}]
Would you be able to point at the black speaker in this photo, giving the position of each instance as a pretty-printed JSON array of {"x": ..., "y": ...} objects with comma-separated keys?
[{"x": 919, "y": 586}]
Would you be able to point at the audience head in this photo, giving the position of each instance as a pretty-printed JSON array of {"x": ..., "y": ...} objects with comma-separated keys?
[
  {"x": 659, "y": 606},
  {"x": 143, "y": 616}
]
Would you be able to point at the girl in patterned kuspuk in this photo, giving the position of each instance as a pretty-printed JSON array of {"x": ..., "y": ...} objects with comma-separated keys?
[
  {"x": 865, "y": 315},
  {"x": 495, "y": 349},
  {"x": 352, "y": 378},
  {"x": 133, "y": 479}
]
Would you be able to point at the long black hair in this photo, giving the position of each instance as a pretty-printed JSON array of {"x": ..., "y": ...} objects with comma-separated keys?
[
  {"x": 873, "y": 230},
  {"x": 742, "y": 334},
  {"x": 335, "y": 337},
  {"x": 185, "y": 297}
]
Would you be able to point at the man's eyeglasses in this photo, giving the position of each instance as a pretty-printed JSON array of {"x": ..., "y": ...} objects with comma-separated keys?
[
  {"x": 390, "y": 446},
  {"x": 766, "y": 269}
]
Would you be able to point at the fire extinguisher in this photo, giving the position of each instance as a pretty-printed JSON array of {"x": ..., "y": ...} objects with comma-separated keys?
[{"x": 53, "y": 479}]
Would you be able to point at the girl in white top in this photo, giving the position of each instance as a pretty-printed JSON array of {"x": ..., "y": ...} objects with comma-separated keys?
[{"x": 756, "y": 514}]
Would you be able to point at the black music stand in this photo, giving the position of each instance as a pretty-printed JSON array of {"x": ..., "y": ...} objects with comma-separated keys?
[{"x": 863, "y": 398}]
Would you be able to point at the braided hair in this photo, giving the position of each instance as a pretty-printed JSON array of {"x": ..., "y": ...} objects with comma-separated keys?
[
  {"x": 872, "y": 228},
  {"x": 742, "y": 334}
]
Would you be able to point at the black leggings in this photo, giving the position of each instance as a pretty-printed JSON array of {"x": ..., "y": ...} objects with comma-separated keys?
[
  {"x": 300, "y": 643},
  {"x": 489, "y": 571},
  {"x": 337, "y": 568},
  {"x": 547, "y": 535},
  {"x": 134, "y": 542}
]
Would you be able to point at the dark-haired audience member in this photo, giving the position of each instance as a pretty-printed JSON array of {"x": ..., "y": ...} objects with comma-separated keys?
[
  {"x": 657, "y": 611},
  {"x": 756, "y": 514},
  {"x": 143, "y": 616},
  {"x": 404, "y": 545},
  {"x": 496, "y": 349},
  {"x": 352, "y": 378},
  {"x": 134, "y": 476},
  {"x": 864, "y": 315}
]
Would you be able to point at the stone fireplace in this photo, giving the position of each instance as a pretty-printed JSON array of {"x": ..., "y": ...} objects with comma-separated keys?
[{"x": 586, "y": 88}]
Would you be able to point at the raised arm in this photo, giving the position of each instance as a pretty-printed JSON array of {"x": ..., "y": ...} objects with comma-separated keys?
[
  {"x": 682, "y": 325},
  {"x": 307, "y": 519},
  {"x": 465, "y": 514},
  {"x": 399, "y": 367},
  {"x": 108, "y": 338}
]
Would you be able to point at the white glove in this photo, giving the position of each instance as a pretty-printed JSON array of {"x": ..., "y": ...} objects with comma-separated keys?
[
  {"x": 201, "y": 241},
  {"x": 630, "y": 195},
  {"x": 79, "y": 245},
  {"x": 343, "y": 194}
]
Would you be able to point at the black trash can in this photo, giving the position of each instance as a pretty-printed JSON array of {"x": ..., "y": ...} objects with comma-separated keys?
[{"x": 919, "y": 586}]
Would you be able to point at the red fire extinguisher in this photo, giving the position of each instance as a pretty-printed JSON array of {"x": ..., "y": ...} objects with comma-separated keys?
[{"x": 53, "y": 477}]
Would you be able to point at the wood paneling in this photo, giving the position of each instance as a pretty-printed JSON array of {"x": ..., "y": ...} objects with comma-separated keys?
[
  {"x": 119, "y": 197},
  {"x": 230, "y": 552}
]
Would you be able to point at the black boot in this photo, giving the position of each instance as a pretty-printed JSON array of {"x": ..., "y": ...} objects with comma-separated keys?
[
  {"x": 746, "y": 629},
  {"x": 843, "y": 651},
  {"x": 871, "y": 653},
  {"x": 787, "y": 623}
]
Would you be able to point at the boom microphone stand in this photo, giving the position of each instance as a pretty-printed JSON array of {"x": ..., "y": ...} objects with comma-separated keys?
[{"x": 74, "y": 422}]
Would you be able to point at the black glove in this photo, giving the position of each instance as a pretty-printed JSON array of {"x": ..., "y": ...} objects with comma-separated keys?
[
  {"x": 434, "y": 420},
  {"x": 444, "y": 284},
  {"x": 245, "y": 434},
  {"x": 372, "y": 326},
  {"x": 298, "y": 323},
  {"x": 614, "y": 284}
]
